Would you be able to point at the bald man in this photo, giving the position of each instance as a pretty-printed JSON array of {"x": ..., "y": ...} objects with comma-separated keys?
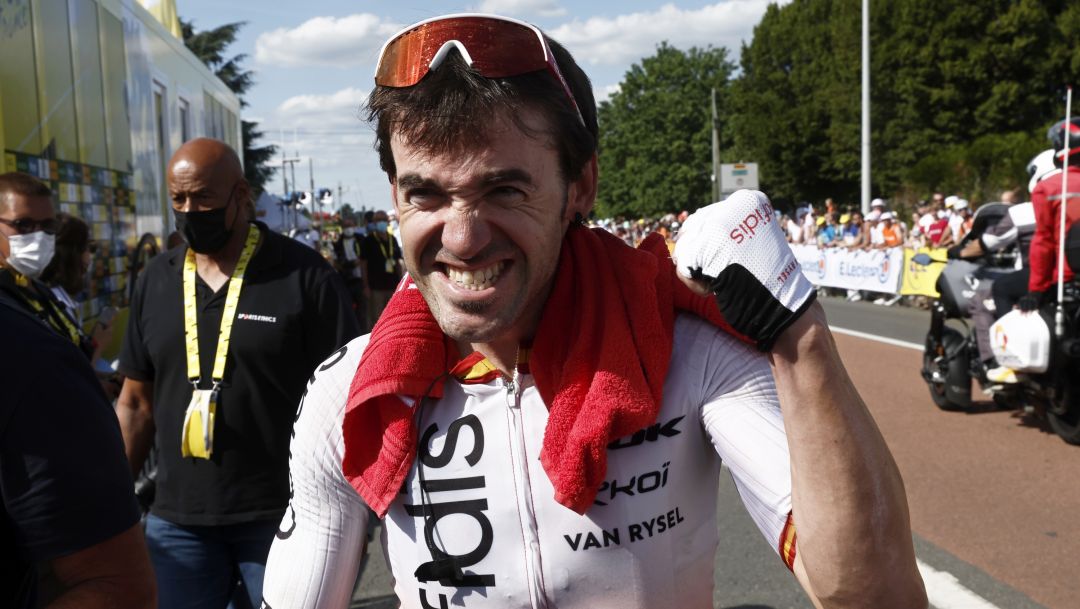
[{"x": 223, "y": 333}]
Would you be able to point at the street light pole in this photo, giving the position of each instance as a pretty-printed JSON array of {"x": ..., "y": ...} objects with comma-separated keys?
[
  {"x": 715, "y": 151},
  {"x": 865, "y": 106}
]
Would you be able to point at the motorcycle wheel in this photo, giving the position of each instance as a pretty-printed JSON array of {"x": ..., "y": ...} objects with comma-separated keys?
[{"x": 956, "y": 369}]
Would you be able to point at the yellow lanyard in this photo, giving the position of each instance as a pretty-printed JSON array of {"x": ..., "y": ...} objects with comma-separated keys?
[
  {"x": 389, "y": 251},
  {"x": 191, "y": 326},
  {"x": 57, "y": 319}
]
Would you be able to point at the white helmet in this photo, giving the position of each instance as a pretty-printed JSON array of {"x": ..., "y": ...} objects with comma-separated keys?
[{"x": 1040, "y": 166}]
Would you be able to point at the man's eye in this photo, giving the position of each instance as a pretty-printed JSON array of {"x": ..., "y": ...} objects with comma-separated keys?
[
  {"x": 504, "y": 194},
  {"x": 422, "y": 198}
]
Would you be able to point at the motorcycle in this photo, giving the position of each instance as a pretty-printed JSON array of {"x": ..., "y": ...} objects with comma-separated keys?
[{"x": 951, "y": 357}]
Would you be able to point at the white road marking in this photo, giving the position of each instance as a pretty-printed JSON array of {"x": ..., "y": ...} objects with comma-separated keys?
[
  {"x": 946, "y": 592},
  {"x": 880, "y": 339},
  {"x": 943, "y": 589}
]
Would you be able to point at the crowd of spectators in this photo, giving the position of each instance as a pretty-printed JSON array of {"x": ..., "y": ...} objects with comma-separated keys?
[{"x": 941, "y": 221}]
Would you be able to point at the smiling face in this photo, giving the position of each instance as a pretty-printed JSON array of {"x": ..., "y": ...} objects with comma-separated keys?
[{"x": 483, "y": 227}]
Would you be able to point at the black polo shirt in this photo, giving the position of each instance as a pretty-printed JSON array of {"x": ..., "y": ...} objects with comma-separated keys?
[
  {"x": 293, "y": 312},
  {"x": 373, "y": 250},
  {"x": 65, "y": 484}
]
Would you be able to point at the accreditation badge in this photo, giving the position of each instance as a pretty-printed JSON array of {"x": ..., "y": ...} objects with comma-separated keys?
[
  {"x": 389, "y": 266},
  {"x": 198, "y": 435}
]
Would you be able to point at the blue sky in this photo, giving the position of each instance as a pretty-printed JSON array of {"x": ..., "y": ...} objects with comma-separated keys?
[{"x": 314, "y": 60}]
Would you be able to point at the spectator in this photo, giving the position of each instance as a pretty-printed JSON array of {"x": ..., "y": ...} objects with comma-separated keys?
[
  {"x": 28, "y": 228},
  {"x": 875, "y": 234},
  {"x": 216, "y": 393},
  {"x": 961, "y": 220},
  {"x": 891, "y": 232},
  {"x": 853, "y": 230},
  {"x": 380, "y": 257},
  {"x": 66, "y": 498},
  {"x": 809, "y": 225},
  {"x": 938, "y": 233},
  {"x": 66, "y": 276},
  {"x": 347, "y": 252},
  {"x": 794, "y": 227},
  {"x": 829, "y": 233},
  {"x": 66, "y": 273}
]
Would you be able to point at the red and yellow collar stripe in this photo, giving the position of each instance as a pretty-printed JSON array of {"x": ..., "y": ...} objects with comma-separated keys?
[
  {"x": 476, "y": 369},
  {"x": 787, "y": 543}
]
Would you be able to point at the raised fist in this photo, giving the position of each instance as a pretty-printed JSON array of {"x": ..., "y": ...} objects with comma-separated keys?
[{"x": 737, "y": 249}]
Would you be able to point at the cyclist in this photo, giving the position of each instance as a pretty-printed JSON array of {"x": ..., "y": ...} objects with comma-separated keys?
[{"x": 541, "y": 412}]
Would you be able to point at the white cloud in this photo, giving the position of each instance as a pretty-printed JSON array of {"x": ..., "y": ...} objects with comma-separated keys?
[
  {"x": 337, "y": 112},
  {"x": 344, "y": 42},
  {"x": 544, "y": 8},
  {"x": 604, "y": 93},
  {"x": 627, "y": 38}
]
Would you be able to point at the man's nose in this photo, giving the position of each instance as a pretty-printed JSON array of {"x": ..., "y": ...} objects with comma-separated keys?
[{"x": 466, "y": 233}]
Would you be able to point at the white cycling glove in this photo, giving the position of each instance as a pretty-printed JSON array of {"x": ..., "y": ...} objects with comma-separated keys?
[{"x": 737, "y": 248}]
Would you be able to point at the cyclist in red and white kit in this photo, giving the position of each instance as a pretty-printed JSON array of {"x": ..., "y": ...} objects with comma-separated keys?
[{"x": 541, "y": 413}]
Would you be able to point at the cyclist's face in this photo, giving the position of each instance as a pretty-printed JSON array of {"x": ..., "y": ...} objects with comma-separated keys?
[{"x": 482, "y": 227}]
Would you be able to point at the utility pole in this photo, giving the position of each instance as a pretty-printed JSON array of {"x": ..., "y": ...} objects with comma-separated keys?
[
  {"x": 865, "y": 106},
  {"x": 715, "y": 152},
  {"x": 292, "y": 203}
]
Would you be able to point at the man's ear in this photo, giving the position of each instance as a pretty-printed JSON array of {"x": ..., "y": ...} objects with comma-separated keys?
[{"x": 581, "y": 193}]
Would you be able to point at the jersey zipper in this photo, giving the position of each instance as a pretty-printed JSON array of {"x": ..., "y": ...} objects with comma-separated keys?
[{"x": 526, "y": 509}]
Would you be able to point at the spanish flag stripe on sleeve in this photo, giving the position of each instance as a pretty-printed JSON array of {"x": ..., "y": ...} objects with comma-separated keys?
[{"x": 787, "y": 543}]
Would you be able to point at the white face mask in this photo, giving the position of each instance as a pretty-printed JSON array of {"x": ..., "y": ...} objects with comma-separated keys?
[{"x": 31, "y": 253}]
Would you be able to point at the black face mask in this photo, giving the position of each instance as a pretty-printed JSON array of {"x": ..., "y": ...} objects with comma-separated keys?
[{"x": 204, "y": 231}]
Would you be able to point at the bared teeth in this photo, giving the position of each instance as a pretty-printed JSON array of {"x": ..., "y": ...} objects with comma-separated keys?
[{"x": 476, "y": 279}]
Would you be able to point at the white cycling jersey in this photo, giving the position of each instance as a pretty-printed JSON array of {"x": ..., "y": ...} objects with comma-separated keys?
[{"x": 488, "y": 532}]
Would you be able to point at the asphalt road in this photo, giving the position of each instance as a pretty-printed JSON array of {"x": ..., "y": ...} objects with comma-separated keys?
[{"x": 994, "y": 526}]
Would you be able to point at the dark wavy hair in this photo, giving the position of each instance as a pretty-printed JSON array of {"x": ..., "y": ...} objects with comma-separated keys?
[
  {"x": 452, "y": 108},
  {"x": 67, "y": 269}
]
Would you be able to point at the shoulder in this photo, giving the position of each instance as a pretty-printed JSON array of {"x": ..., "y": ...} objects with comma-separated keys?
[
  {"x": 165, "y": 262},
  {"x": 318, "y": 443},
  {"x": 295, "y": 253},
  {"x": 49, "y": 356},
  {"x": 710, "y": 360},
  {"x": 328, "y": 387}
]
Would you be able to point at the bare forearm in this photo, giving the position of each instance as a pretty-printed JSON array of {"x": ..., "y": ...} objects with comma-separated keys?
[
  {"x": 850, "y": 509},
  {"x": 113, "y": 574},
  {"x": 137, "y": 428},
  {"x": 112, "y": 594}
]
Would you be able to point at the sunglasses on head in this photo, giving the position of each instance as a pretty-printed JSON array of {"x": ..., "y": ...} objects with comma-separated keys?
[
  {"x": 496, "y": 47},
  {"x": 25, "y": 226}
]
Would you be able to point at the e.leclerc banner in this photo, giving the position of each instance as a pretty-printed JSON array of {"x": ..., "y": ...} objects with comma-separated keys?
[{"x": 838, "y": 267}]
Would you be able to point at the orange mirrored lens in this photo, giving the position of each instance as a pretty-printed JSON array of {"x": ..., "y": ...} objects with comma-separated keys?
[{"x": 498, "y": 49}]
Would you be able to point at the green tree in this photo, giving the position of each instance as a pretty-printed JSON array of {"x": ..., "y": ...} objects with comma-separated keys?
[
  {"x": 210, "y": 46},
  {"x": 961, "y": 91},
  {"x": 655, "y": 133}
]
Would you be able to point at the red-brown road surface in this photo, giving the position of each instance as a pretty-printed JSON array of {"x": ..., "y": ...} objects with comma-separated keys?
[{"x": 995, "y": 488}]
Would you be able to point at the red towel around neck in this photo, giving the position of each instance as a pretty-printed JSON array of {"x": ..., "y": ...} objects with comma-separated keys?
[{"x": 599, "y": 358}]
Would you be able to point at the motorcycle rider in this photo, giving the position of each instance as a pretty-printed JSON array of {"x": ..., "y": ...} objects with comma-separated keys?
[
  {"x": 555, "y": 479},
  {"x": 1046, "y": 201},
  {"x": 995, "y": 297}
]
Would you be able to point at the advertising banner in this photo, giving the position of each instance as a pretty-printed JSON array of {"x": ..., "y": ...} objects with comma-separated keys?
[
  {"x": 921, "y": 279},
  {"x": 873, "y": 270}
]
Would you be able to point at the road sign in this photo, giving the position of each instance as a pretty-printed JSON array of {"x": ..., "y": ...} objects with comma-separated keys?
[{"x": 736, "y": 176}]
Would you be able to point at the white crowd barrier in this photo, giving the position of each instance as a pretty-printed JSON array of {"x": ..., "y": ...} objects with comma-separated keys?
[{"x": 839, "y": 267}]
